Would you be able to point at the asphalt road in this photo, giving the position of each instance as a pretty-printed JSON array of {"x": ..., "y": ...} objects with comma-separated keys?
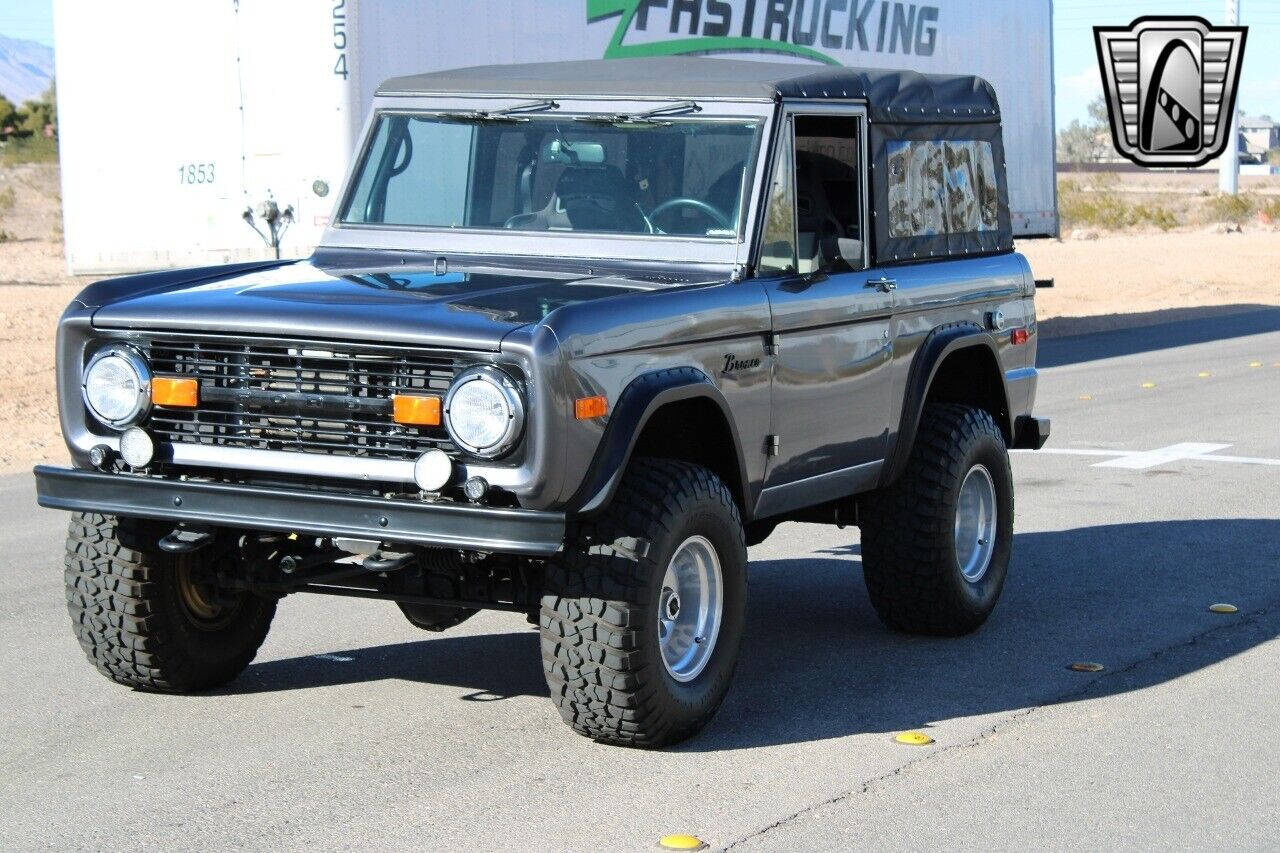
[{"x": 355, "y": 730}]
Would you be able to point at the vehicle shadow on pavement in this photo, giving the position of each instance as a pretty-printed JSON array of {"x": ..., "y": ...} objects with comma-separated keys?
[
  {"x": 490, "y": 666},
  {"x": 817, "y": 663},
  {"x": 1071, "y": 340}
]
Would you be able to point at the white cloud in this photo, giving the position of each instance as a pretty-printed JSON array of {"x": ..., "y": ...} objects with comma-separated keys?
[{"x": 1074, "y": 92}]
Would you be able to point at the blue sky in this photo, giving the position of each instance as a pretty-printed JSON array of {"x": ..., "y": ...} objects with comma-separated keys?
[
  {"x": 1076, "y": 59},
  {"x": 1076, "y": 63},
  {"x": 27, "y": 19}
]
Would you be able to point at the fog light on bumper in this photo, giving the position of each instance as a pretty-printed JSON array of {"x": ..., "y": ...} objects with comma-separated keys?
[
  {"x": 136, "y": 447},
  {"x": 433, "y": 470}
]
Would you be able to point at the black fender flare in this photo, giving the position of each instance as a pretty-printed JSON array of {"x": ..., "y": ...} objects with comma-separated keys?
[
  {"x": 645, "y": 395},
  {"x": 939, "y": 344}
]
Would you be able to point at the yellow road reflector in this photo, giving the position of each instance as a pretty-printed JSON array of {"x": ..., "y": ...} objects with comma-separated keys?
[
  {"x": 1085, "y": 666},
  {"x": 1223, "y": 608},
  {"x": 1204, "y": 374},
  {"x": 1086, "y": 397},
  {"x": 914, "y": 739},
  {"x": 1148, "y": 384},
  {"x": 681, "y": 842},
  {"x": 1255, "y": 364}
]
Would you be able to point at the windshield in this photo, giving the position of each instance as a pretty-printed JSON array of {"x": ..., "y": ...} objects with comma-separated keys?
[{"x": 680, "y": 177}]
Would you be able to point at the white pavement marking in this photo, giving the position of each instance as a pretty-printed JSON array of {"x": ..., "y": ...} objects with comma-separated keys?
[
  {"x": 1161, "y": 456},
  {"x": 334, "y": 658},
  {"x": 1142, "y": 459}
]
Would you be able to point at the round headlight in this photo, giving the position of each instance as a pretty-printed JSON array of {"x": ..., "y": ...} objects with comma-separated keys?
[
  {"x": 483, "y": 412},
  {"x": 117, "y": 386}
]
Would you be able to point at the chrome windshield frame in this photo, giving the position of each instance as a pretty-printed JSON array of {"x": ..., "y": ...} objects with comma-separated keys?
[{"x": 726, "y": 251}]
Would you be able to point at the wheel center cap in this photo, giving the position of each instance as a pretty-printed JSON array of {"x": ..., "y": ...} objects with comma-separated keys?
[{"x": 673, "y": 606}]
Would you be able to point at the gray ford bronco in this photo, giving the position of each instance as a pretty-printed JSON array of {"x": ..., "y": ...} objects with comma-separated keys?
[{"x": 577, "y": 335}]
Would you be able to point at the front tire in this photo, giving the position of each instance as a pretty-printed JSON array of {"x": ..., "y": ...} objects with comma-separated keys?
[
  {"x": 155, "y": 621},
  {"x": 638, "y": 647},
  {"x": 936, "y": 543}
]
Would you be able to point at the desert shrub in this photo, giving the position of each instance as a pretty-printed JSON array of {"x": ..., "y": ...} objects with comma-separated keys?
[
  {"x": 1270, "y": 207},
  {"x": 1098, "y": 209},
  {"x": 29, "y": 149},
  {"x": 1154, "y": 213},
  {"x": 1235, "y": 209},
  {"x": 5, "y": 236},
  {"x": 8, "y": 198}
]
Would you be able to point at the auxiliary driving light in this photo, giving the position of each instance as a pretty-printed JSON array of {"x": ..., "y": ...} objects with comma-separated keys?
[
  {"x": 433, "y": 470},
  {"x": 136, "y": 447},
  {"x": 475, "y": 488},
  {"x": 98, "y": 455}
]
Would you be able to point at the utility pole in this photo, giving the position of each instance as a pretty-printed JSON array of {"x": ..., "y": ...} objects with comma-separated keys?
[{"x": 1229, "y": 164}]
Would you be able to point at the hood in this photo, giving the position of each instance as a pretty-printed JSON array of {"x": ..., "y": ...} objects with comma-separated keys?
[{"x": 459, "y": 309}]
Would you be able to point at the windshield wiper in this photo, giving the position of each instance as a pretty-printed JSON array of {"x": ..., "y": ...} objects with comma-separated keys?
[
  {"x": 680, "y": 108},
  {"x": 513, "y": 113}
]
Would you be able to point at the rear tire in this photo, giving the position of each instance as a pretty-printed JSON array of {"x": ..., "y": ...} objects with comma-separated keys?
[
  {"x": 619, "y": 627},
  {"x": 926, "y": 571},
  {"x": 157, "y": 622}
]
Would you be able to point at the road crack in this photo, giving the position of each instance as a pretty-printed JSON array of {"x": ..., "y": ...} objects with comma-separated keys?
[{"x": 1074, "y": 695}]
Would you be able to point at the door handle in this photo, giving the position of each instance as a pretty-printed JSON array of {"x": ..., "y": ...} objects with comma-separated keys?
[{"x": 884, "y": 285}]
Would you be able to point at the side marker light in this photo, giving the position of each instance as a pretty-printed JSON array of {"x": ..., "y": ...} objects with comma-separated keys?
[{"x": 586, "y": 408}]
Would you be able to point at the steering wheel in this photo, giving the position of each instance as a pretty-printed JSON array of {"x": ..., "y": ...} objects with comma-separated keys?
[{"x": 710, "y": 211}]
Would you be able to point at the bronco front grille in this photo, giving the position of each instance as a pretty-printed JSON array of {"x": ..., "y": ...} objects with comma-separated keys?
[{"x": 306, "y": 398}]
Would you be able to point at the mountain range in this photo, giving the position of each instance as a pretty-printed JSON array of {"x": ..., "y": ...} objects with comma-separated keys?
[{"x": 26, "y": 69}]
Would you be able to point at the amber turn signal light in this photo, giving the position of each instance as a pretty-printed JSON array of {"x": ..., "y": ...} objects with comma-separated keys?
[
  {"x": 590, "y": 407},
  {"x": 415, "y": 411},
  {"x": 174, "y": 392}
]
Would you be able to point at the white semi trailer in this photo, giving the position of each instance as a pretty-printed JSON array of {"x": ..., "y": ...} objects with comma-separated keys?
[{"x": 176, "y": 117}]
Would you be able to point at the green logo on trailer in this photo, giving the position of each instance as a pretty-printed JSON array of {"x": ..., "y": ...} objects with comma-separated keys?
[{"x": 812, "y": 29}]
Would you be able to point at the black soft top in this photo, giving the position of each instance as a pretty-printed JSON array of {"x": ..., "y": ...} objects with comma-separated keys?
[{"x": 900, "y": 97}]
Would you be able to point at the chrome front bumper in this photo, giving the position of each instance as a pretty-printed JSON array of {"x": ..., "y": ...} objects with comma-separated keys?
[{"x": 442, "y": 525}]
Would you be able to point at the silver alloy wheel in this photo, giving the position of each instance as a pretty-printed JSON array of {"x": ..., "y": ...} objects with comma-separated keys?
[
  {"x": 976, "y": 523},
  {"x": 690, "y": 608}
]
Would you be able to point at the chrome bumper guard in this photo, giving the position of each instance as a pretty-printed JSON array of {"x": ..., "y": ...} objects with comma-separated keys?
[{"x": 442, "y": 525}]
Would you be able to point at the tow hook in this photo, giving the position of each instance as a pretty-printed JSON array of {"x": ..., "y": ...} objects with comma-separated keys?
[
  {"x": 383, "y": 562},
  {"x": 186, "y": 540}
]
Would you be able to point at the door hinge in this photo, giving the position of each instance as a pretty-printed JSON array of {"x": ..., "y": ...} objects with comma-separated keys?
[
  {"x": 772, "y": 445},
  {"x": 771, "y": 345}
]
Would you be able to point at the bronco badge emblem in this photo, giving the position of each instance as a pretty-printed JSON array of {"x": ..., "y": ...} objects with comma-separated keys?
[
  {"x": 732, "y": 363},
  {"x": 1171, "y": 88}
]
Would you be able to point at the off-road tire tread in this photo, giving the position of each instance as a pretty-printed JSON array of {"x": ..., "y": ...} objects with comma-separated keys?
[
  {"x": 118, "y": 615},
  {"x": 592, "y": 601},
  {"x": 906, "y": 527}
]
